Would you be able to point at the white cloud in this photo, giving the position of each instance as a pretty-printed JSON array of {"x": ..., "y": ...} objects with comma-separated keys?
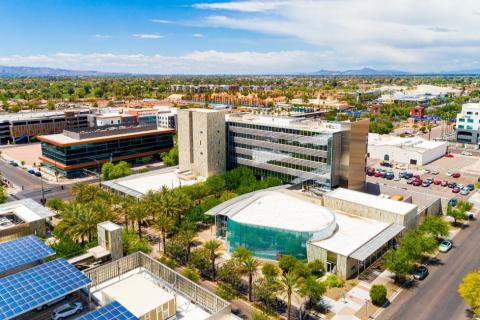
[
  {"x": 102, "y": 36},
  {"x": 196, "y": 62},
  {"x": 148, "y": 36},
  {"x": 243, "y": 6},
  {"x": 197, "y": 35},
  {"x": 161, "y": 21},
  {"x": 408, "y": 34}
]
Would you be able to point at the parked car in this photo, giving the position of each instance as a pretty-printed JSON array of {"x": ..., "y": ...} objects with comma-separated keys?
[
  {"x": 449, "y": 173},
  {"x": 408, "y": 175},
  {"x": 377, "y": 174},
  {"x": 67, "y": 310},
  {"x": 417, "y": 176},
  {"x": 452, "y": 202},
  {"x": 449, "y": 155},
  {"x": 471, "y": 186},
  {"x": 386, "y": 164},
  {"x": 456, "y": 174},
  {"x": 452, "y": 185},
  {"x": 437, "y": 182},
  {"x": 370, "y": 171},
  {"x": 14, "y": 163},
  {"x": 445, "y": 246},
  {"x": 444, "y": 183},
  {"x": 466, "y": 153},
  {"x": 425, "y": 184},
  {"x": 51, "y": 303},
  {"x": 426, "y": 171},
  {"x": 464, "y": 191},
  {"x": 397, "y": 178},
  {"x": 456, "y": 190},
  {"x": 31, "y": 171},
  {"x": 410, "y": 181},
  {"x": 435, "y": 172},
  {"x": 400, "y": 167},
  {"x": 389, "y": 176},
  {"x": 420, "y": 273},
  {"x": 38, "y": 173},
  {"x": 417, "y": 182}
]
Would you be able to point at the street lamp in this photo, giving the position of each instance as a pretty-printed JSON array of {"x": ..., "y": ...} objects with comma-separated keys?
[{"x": 41, "y": 183}]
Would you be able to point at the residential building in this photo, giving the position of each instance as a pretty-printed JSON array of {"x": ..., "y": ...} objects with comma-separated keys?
[
  {"x": 73, "y": 151},
  {"x": 414, "y": 151},
  {"x": 468, "y": 124},
  {"x": 201, "y": 141},
  {"x": 312, "y": 152}
]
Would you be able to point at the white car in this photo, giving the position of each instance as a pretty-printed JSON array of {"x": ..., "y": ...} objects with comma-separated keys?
[
  {"x": 435, "y": 172},
  {"x": 445, "y": 245},
  {"x": 400, "y": 167},
  {"x": 466, "y": 153},
  {"x": 426, "y": 171},
  {"x": 449, "y": 173},
  {"x": 397, "y": 178},
  {"x": 67, "y": 310}
]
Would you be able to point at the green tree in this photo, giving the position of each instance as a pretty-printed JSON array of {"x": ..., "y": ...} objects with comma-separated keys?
[
  {"x": 55, "y": 204},
  {"x": 399, "y": 262},
  {"x": 289, "y": 284},
  {"x": 457, "y": 213},
  {"x": 226, "y": 291},
  {"x": 230, "y": 272},
  {"x": 112, "y": 171},
  {"x": 3, "y": 195},
  {"x": 265, "y": 290},
  {"x": 213, "y": 250},
  {"x": 288, "y": 263},
  {"x": 258, "y": 315},
  {"x": 312, "y": 289},
  {"x": 378, "y": 294},
  {"x": 50, "y": 105},
  {"x": 192, "y": 274},
  {"x": 164, "y": 224},
  {"x": 469, "y": 290},
  {"x": 171, "y": 158},
  {"x": 434, "y": 226},
  {"x": 269, "y": 270},
  {"x": 132, "y": 243},
  {"x": 249, "y": 267}
]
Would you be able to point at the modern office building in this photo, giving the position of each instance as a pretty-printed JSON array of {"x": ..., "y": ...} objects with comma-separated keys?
[
  {"x": 322, "y": 154},
  {"x": 201, "y": 141},
  {"x": 72, "y": 151},
  {"x": 26, "y": 126},
  {"x": 468, "y": 124}
]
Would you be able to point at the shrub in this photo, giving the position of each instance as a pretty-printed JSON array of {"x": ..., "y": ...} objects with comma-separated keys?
[
  {"x": 191, "y": 274},
  {"x": 333, "y": 281},
  {"x": 172, "y": 264},
  {"x": 316, "y": 268},
  {"x": 132, "y": 243},
  {"x": 378, "y": 294},
  {"x": 226, "y": 291}
]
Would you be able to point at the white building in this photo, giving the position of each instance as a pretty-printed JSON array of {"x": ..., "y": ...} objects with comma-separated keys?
[
  {"x": 468, "y": 123},
  {"x": 415, "y": 151}
]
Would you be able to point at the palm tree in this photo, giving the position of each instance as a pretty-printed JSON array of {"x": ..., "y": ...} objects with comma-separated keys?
[
  {"x": 249, "y": 267},
  {"x": 187, "y": 236},
  {"x": 138, "y": 212},
  {"x": 289, "y": 283},
  {"x": 212, "y": 247},
  {"x": 79, "y": 222},
  {"x": 164, "y": 224}
]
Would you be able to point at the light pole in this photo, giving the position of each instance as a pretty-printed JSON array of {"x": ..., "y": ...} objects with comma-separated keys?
[
  {"x": 41, "y": 183},
  {"x": 366, "y": 308}
]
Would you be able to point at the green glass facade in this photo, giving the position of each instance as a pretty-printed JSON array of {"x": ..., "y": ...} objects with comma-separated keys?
[
  {"x": 106, "y": 150},
  {"x": 267, "y": 243}
]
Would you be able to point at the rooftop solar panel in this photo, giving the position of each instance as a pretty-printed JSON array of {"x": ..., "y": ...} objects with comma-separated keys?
[
  {"x": 21, "y": 251},
  {"x": 111, "y": 311},
  {"x": 34, "y": 287}
]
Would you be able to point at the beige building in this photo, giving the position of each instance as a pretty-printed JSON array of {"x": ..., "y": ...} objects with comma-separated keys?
[{"x": 201, "y": 141}]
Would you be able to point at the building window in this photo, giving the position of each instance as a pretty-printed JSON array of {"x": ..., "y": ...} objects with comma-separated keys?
[{"x": 461, "y": 120}]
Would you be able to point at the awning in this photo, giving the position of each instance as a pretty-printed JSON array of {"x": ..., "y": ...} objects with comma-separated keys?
[{"x": 377, "y": 242}]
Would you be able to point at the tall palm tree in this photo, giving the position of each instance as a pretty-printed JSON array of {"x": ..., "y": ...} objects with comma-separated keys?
[
  {"x": 79, "y": 222},
  {"x": 164, "y": 224},
  {"x": 139, "y": 212},
  {"x": 213, "y": 247},
  {"x": 187, "y": 237},
  {"x": 289, "y": 283},
  {"x": 249, "y": 267}
]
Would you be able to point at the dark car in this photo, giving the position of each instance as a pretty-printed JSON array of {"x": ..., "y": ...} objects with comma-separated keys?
[
  {"x": 444, "y": 183},
  {"x": 408, "y": 175},
  {"x": 389, "y": 176},
  {"x": 425, "y": 183},
  {"x": 470, "y": 187},
  {"x": 38, "y": 173},
  {"x": 386, "y": 164},
  {"x": 452, "y": 202},
  {"x": 420, "y": 273},
  {"x": 452, "y": 185}
]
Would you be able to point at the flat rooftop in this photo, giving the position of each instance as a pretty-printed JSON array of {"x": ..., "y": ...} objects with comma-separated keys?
[
  {"x": 139, "y": 184},
  {"x": 372, "y": 201},
  {"x": 26, "y": 210},
  {"x": 280, "y": 210},
  {"x": 353, "y": 232},
  {"x": 64, "y": 140},
  {"x": 415, "y": 143},
  {"x": 289, "y": 122},
  {"x": 138, "y": 294}
]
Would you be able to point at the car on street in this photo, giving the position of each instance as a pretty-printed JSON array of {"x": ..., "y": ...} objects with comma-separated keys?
[
  {"x": 420, "y": 273},
  {"x": 452, "y": 202},
  {"x": 14, "y": 163},
  {"x": 456, "y": 190},
  {"x": 437, "y": 182},
  {"x": 66, "y": 310},
  {"x": 464, "y": 191},
  {"x": 445, "y": 246},
  {"x": 31, "y": 171},
  {"x": 38, "y": 173},
  {"x": 456, "y": 174},
  {"x": 444, "y": 183},
  {"x": 435, "y": 172}
]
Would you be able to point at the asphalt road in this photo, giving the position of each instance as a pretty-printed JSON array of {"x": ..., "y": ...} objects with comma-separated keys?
[
  {"x": 31, "y": 184},
  {"x": 436, "y": 297}
]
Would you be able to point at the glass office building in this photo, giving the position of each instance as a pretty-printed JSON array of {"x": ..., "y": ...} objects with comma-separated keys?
[{"x": 70, "y": 156}]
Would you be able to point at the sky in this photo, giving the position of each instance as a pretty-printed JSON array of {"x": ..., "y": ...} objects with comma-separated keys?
[{"x": 241, "y": 37}]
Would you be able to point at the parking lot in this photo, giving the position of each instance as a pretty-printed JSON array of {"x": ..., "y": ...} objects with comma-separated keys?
[
  {"x": 47, "y": 313},
  {"x": 442, "y": 165}
]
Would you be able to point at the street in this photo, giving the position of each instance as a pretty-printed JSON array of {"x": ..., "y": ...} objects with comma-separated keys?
[{"x": 436, "y": 297}]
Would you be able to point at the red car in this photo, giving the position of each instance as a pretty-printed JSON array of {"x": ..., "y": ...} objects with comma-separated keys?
[
  {"x": 437, "y": 182},
  {"x": 417, "y": 182},
  {"x": 444, "y": 183},
  {"x": 456, "y": 175},
  {"x": 417, "y": 177},
  {"x": 456, "y": 190},
  {"x": 377, "y": 174},
  {"x": 449, "y": 155}
]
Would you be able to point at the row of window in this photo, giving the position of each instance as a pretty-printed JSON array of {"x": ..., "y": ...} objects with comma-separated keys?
[
  {"x": 274, "y": 129},
  {"x": 320, "y": 146},
  {"x": 280, "y": 152},
  {"x": 468, "y": 120}
]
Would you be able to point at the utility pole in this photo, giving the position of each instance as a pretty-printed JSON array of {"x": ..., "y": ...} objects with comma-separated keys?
[{"x": 43, "y": 192}]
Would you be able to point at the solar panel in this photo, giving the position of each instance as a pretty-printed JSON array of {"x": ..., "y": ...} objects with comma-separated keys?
[
  {"x": 21, "y": 251},
  {"x": 111, "y": 311},
  {"x": 34, "y": 287}
]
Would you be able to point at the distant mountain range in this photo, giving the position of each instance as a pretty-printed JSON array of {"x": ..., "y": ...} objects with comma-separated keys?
[
  {"x": 12, "y": 72},
  {"x": 22, "y": 72}
]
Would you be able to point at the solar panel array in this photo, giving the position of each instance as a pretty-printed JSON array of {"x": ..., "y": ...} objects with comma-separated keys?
[
  {"x": 111, "y": 311},
  {"x": 21, "y": 251},
  {"x": 34, "y": 287}
]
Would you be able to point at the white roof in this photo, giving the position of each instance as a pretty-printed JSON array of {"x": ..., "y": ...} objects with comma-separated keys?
[
  {"x": 138, "y": 295},
  {"x": 109, "y": 226},
  {"x": 279, "y": 210},
  {"x": 352, "y": 233},
  {"x": 372, "y": 201},
  {"x": 27, "y": 210},
  {"x": 417, "y": 143}
]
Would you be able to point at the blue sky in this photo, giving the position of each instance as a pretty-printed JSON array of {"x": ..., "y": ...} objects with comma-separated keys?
[{"x": 270, "y": 36}]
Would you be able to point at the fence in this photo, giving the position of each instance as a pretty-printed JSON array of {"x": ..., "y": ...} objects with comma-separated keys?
[{"x": 180, "y": 284}]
